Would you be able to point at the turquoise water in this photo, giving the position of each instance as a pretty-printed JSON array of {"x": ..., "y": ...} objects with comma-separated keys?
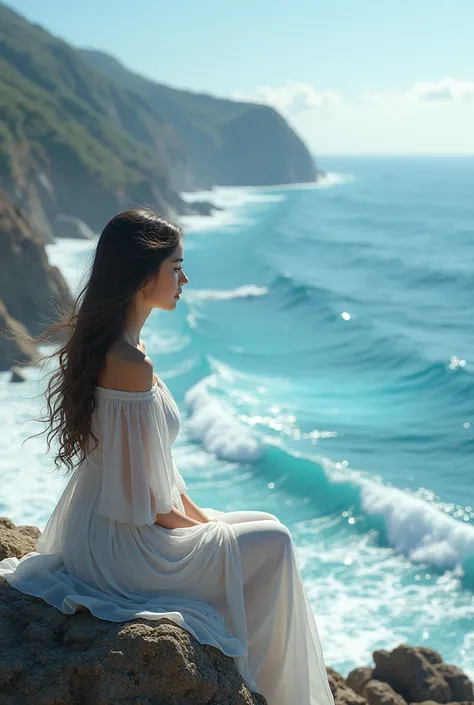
[{"x": 322, "y": 357}]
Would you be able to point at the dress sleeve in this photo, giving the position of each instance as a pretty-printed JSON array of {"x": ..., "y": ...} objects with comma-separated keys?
[
  {"x": 138, "y": 468},
  {"x": 180, "y": 483}
]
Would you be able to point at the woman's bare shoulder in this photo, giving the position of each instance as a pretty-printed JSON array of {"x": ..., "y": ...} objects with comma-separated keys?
[{"x": 127, "y": 368}]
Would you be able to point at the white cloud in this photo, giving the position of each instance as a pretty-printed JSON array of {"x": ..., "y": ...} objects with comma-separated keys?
[
  {"x": 293, "y": 98},
  {"x": 447, "y": 89},
  {"x": 426, "y": 117}
]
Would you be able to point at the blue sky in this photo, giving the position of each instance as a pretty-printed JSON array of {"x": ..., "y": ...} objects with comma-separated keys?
[{"x": 352, "y": 76}]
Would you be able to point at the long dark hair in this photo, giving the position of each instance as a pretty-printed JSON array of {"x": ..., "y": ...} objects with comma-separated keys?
[{"x": 128, "y": 255}]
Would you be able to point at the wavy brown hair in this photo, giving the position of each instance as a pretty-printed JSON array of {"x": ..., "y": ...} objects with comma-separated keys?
[{"x": 128, "y": 255}]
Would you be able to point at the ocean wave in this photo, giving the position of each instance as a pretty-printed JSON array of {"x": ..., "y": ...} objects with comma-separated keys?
[
  {"x": 213, "y": 424},
  {"x": 248, "y": 291},
  {"x": 416, "y": 528},
  {"x": 373, "y": 347},
  {"x": 410, "y": 525}
]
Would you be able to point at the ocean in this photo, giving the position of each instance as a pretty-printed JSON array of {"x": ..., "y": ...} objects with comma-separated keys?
[{"x": 322, "y": 357}]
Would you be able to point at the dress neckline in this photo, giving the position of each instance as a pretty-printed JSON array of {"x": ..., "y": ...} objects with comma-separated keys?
[{"x": 122, "y": 394}]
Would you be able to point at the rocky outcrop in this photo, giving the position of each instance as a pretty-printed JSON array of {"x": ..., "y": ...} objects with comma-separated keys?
[
  {"x": 16, "y": 541},
  {"x": 202, "y": 208},
  {"x": 277, "y": 156},
  {"x": 410, "y": 674},
  {"x": 30, "y": 288},
  {"x": 14, "y": 349},
  {"x": 47, "y": 657}
]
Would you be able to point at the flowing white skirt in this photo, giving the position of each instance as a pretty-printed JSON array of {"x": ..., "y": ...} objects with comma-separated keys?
[{"x": 233, "y": 583}]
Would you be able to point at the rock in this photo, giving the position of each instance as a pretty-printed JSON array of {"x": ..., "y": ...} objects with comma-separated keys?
[
  {"x": 378, "y": 693},
  {"x": 417, "y": 675},
  {"x": 358, "y": 679},
  {"x": 432, "y": 702},
  {"x": 30, "y": 288},
  {"x": 342, "y": 693},
  {"x": 431, "y": 655},
  {"x": 461, "y": 687},
  {"x": 47, "y": 657},
  {"x": 69, "y": 226},
  {"x": 14, "y": 348},
  {"x": 203, "y": 208},
  {"x": 15, "y": 541}
]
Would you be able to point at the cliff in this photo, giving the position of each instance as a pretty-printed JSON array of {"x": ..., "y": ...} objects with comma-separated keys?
[
  {"x": 228, "y": 143},
  {"x": 84, "y": 138},
  {"x": 71, "y": 141},
  {"x": 30, "y": 287},
  {"x": 47, "y": 657}
]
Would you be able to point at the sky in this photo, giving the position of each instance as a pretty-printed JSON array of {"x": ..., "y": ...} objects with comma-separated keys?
[{"x": 350, "y": 76}]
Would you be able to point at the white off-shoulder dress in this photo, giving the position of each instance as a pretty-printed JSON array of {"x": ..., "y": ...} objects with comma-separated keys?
[{"x": 233, "y": 582}]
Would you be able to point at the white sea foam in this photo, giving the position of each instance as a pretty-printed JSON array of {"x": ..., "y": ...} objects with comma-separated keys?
[
  {"x": 417, "y": 528},
  {"x": 232, "y": 200},
  {"x": 332, "y": 178},
  {"x": 365, "y": 598},
  {"x": 414, "y": 527},
  {"x": 234, "y": 196},
  {"x": 328, "y": 179},
  {"x": 213, "y": 424},
  {"x": 247, "y": 291},
  {"x": 73, "y": 258}
]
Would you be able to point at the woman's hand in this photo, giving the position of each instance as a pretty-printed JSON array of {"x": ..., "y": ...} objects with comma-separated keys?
[
  {"x": 175, "y": 519},
  {"x": 193, "y": 511}
]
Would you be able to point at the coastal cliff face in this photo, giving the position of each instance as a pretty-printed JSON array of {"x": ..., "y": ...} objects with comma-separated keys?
[
  {"x": 84, "y": 138},
  {"x": 30, "y": 287},
  {"x": 71, "y": 141},
  {"x": 47, "y": 657},
  {"x": 228, "y": 143}
]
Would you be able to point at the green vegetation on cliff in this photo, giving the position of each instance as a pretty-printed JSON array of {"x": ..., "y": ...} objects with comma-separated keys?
[
  {"x": 83, "y": 136},
  {"x": 228, "y": 142},
  {"x": 62, "y": 117}
]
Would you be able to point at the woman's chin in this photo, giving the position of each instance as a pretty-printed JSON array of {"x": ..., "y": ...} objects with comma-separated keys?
[{"x": 170, "y": 306}]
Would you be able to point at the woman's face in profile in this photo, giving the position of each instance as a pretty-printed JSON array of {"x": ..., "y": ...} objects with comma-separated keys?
[{"x": 164, "y": 289}]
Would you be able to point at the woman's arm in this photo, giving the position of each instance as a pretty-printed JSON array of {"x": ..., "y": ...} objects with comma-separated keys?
[
  {"x": 193, "y": 511},
  {"x": 175, "y": 519}
]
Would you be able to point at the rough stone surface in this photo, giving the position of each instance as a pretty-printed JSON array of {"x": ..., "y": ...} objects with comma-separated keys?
[
  {"x": 418, "y": 674},
  {"x": 14, "y": 349},
  {"x": 358, "y": 678},
  {"x": 48, "y": 658},
  {"x": 15, "y": 541},
  {"x": 30, "y": 288},
  {"x": 378, "y": 693},
  {"x": 342, "y": 693}
]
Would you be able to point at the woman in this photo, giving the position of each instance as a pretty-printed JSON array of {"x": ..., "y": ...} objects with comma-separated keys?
[{"x": 125, "y": 539}]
